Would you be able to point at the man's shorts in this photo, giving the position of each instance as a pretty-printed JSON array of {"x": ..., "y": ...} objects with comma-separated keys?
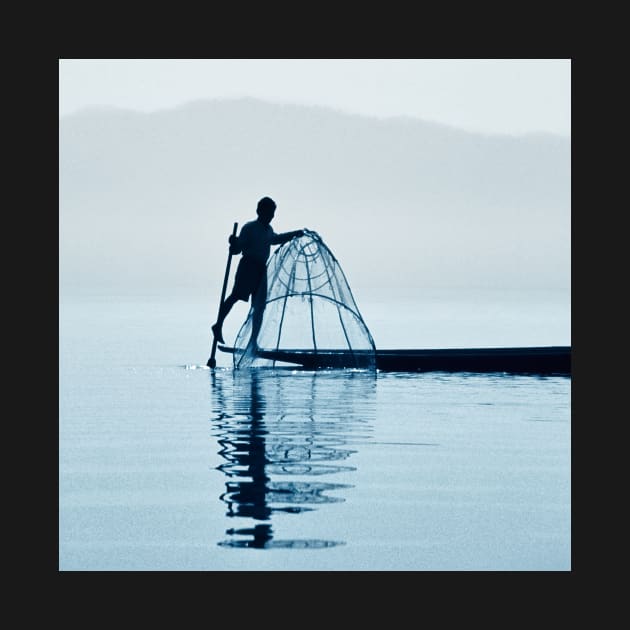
[{"x": 251, "y": 275}]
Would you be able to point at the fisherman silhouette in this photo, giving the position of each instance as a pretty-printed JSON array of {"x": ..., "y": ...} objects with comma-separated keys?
[{"x": 254, "y": 242}]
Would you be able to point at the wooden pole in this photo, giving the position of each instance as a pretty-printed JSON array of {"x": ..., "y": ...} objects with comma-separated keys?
[{"x": 212, "y": 362}]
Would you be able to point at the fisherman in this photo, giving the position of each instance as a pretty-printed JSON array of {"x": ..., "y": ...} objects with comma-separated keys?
[{"x": 254, "y": 242}]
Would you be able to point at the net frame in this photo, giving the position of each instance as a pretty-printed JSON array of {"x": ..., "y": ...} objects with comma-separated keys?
[{"x": 302, "y": 269}]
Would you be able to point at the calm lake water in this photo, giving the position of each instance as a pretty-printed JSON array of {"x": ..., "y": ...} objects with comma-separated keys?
[{"x": 167, "y": 465}]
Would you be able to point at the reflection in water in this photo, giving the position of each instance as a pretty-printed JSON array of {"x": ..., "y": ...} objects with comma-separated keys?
[{"x": 280, "y": 431}]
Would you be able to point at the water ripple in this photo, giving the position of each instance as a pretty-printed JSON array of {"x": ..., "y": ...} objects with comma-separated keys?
[{"x": 275, "y": 432}]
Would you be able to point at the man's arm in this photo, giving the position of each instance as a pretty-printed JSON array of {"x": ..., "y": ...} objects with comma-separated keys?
[
  {"x": 279, "y": 239},
  {"x": 237, "y": 242},
  {"x": 235, "y": 245}
]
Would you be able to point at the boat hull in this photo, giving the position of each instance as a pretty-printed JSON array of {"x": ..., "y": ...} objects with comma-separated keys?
[{"x": 528, "y": 360}]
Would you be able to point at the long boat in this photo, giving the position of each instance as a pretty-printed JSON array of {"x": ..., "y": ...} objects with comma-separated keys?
[{"x": 549, "y": 360}]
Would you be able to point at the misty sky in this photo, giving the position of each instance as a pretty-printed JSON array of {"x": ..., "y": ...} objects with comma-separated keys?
[
  {"x": 511, "y": 96},
  {"x": 148, "y": 200}
]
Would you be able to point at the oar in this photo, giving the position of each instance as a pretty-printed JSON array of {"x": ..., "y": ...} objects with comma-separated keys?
[{"x": 212, "y": 362}]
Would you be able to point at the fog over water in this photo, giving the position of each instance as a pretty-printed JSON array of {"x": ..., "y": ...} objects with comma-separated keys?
[{"x": 148, "y": 199}]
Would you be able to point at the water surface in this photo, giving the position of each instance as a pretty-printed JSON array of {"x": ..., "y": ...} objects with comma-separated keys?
[{"x": 166, "y": 465}]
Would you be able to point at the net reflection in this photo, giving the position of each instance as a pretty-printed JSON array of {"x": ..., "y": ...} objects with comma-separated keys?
[{"x": 281, "y": 433}]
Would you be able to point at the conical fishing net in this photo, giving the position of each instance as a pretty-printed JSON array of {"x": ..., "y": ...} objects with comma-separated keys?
[{"x": 310, "y": 317}]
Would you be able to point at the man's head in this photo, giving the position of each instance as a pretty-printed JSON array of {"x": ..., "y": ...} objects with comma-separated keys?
[{"x": 266, "y": 209}]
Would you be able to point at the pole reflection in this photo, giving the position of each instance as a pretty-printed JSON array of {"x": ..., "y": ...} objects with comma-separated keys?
[{"x": 277, "y": 431}]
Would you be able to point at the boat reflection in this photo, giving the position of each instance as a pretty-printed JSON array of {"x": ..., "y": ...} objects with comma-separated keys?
[{"x": 277, "y": 430}]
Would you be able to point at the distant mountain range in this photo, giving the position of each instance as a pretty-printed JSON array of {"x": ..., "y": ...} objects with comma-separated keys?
[{"x": 147, "y": 200}]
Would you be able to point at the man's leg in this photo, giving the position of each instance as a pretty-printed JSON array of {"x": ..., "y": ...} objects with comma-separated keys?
[
  {"x": 224, "y": 309},
  {"x": 259, "y": 301}
]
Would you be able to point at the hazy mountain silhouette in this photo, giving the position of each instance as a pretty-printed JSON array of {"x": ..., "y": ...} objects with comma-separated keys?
[{"x": 148, "y": 200}]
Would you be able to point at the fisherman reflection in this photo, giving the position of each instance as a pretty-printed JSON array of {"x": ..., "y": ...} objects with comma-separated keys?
[
  {"x": 244, "y": 451},
  {"x": 250, "y": 493}
]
